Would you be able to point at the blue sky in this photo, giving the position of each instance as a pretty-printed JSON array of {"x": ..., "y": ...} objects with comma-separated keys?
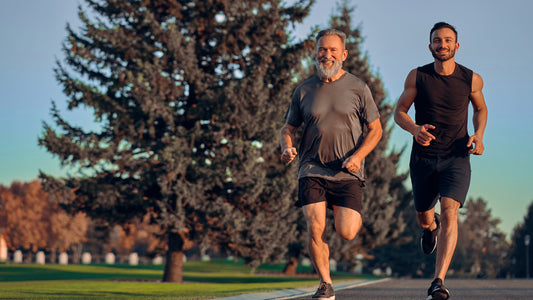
[{"x": 495, "y": 41}]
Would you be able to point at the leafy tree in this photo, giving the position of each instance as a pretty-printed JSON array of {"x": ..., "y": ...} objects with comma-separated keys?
[
  {"x": 30, "y": 222},
  {"x": 22, "y": 210},
  {"x": 188, "y": 95},
  {"x": 66, "y": 231},
  {"x": 518, "y": 249}
]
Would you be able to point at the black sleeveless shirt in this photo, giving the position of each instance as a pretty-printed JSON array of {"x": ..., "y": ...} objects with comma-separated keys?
[{"x": 443, "y": 101}]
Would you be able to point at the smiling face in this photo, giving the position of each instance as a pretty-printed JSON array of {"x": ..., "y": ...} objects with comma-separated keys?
[
  {"x": 330, "y": 54},
  {"x": 443, "y": 44}
]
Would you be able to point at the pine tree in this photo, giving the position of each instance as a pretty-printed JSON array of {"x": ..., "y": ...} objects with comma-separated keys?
[
  {"x": 521, "y": 255},
  {"x": 394, "y": 254},
  {"x": 257, "y": 191},
  {"x": 384, "y": 194},
  {"x": 188, "y": 95},
  {"x": 481, "y": 246}
]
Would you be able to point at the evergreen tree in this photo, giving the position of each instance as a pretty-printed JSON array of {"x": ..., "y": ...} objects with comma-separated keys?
[
  {"x": 481, "y": 247},
  {"x": 188, "y": 95},
  {"x": 520, "y": 255},
  {"x": 384, "y": 194},
  {"x": 404, "y": 255}
]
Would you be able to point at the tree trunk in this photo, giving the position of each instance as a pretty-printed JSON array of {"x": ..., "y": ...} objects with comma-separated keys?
[
  {"x": 290, "y": 267},
  {"x": 53, "y": 256},
  {"x": 76, "y": 253},
  {"x": 294, "y": 253},
  {"x": 177, "y": 243}
]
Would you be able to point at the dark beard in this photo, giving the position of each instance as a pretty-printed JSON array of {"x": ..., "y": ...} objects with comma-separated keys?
[{"x": 447, "y": 57}]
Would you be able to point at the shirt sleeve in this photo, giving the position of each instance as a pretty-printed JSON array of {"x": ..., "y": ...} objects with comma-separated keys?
[
  {"x": 293, "y": 115},
  {"x": 370, "y": 110}
]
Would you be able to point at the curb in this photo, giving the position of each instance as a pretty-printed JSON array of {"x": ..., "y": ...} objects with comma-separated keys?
[{"x": 301, "y": 292}]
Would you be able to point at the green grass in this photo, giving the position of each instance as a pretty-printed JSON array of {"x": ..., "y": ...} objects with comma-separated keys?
[{"x": 203, "y": 280}]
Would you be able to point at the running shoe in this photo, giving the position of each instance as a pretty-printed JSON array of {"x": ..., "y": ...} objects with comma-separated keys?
[
  {"x": 437, "y": 291},
  {"x": 429, "y": 238},
  {"x": 325, "y": 292}
]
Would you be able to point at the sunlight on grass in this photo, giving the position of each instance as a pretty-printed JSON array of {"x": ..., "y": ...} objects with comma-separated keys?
[{"x": 203, "y": 280}]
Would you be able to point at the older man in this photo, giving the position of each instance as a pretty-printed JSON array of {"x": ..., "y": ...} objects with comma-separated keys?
[{"x": 334, "y": 106}]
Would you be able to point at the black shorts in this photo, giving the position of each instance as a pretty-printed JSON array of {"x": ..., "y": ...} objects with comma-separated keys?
[
  {"x": 345, "y": 193},
  {"x": 435, "y": 177}
]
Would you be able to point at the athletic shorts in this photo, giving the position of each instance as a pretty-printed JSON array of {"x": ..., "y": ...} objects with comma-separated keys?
[
  {"x": 435, "y": 177},
  {"x": 344, "y": 193}
]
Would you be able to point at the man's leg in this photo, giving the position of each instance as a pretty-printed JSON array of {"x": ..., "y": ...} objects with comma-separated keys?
[
  {"x": 426, "y": 219},
  {"x": 447, "y": 239},
  {"x": 315, "y": 215},
  {"x": 348, "y": 222}
]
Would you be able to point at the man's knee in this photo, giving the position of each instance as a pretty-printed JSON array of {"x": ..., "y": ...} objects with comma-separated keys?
[
  {"x": 347, "y": 234},
  {"x": 316, "y": 230},
  {"x": 449, "y": 210},
  {"x": 315, "y": 217},
  {"x": 426, "y": 218},
  {"x": 348, "y": 230}
]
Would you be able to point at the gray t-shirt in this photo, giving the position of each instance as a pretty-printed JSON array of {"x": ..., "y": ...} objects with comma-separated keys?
[{"x": 334, "y": 114}]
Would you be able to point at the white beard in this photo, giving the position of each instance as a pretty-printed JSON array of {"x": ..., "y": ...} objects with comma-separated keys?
[{"x": 324, "y": 72}]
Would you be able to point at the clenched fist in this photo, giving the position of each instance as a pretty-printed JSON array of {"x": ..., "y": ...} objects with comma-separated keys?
[{"x": 288, "y": 155}]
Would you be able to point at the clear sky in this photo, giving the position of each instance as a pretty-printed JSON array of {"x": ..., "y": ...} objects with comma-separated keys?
[{"x": 495, "y": 41}]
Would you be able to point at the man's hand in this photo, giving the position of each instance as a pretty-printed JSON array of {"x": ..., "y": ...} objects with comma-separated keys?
[
  {"x": 352, "y": 164},
  {"x": 288, "y": 155},
  {"x": 422, "y": 136},
  {"x": 478, "y": 145}
]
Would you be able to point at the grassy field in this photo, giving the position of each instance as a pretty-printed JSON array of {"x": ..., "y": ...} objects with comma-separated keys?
[{"x": 203, "y": 280}]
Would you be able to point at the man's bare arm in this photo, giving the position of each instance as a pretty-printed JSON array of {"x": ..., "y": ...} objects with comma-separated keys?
[
  {"x": 480, "y": 116},
  {"x": 287, "y": 143},
  {"x": 420, "y": 132}
]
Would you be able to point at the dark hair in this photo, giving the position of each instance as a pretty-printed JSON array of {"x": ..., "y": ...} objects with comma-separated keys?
[
  {"x": 332, "y": 31},
  {"x": 440, "y": 25}
]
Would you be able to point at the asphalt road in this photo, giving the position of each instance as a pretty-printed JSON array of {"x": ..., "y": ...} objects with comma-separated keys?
[{"x": 417, "y": 289}]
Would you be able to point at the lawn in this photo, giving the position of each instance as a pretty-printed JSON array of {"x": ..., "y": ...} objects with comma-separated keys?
[{"x": 203, "y": 280}]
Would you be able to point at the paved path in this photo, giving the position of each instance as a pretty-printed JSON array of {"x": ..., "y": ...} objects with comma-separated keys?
[
  {"x": 387, "y": 289},
  {"x": 306, "y": 292},
  {"x": 459, "y": 289}
]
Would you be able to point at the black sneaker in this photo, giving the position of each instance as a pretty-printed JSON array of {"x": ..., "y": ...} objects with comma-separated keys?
[
  {"x": 429, "y": 238},
  {"x": 437, "y": 291},
  {"x": 324, "y": 291}
]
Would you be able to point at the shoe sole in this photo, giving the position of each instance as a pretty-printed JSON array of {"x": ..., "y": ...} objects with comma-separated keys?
[{"x": 437, "y": 296}]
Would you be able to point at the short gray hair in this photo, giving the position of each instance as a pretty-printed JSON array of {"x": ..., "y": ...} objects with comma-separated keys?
[{"x": 332, "y": 31}]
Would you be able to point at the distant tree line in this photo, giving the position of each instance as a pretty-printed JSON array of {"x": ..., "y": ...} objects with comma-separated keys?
[{"x": 31, "y": 222}]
